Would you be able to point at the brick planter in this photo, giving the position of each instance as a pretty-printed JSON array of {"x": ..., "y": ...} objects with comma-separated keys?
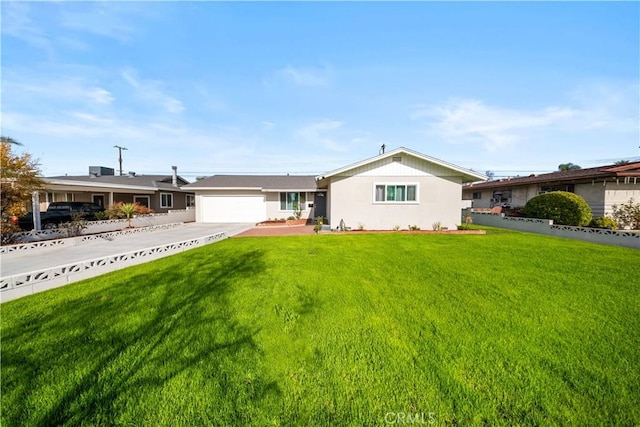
[
  {"x": 282, "y": 223},
  {"x": 302, "y": 221}
]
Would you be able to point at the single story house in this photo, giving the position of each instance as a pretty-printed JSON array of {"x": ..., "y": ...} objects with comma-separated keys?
[
  {"x": 102, "y": 187},
  {"x": 399, "y": 188},
  {"x": 601, "y": 187}
]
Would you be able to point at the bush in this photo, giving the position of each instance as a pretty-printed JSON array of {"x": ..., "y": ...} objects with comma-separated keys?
[
  {"x": 115, "y": 210},
  {"x": 562, "y": 207},
  {"x": 627, "y": 214},
  {"x": 604, "y": 222}
]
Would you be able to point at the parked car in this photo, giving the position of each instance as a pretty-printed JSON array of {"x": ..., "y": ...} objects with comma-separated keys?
[{"x": 58, "y": 213}]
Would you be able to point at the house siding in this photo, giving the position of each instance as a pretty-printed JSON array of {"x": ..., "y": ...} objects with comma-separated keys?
[
  {"x": 352, "y": 200},
  {"x": 594, "y": 195},
  {"x": 274, "y": 211},
  {"x": 616, "y": 193}
]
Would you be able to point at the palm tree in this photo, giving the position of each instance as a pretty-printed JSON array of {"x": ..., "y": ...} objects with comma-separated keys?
[
  {"x": 568, "y": 167},
  {"x": 8, "y": 140},
  {"x": 621, "y": 162},
  {"x": 128, "y": 209}
]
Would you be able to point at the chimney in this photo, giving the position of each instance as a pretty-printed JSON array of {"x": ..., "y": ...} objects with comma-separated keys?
[{"x": 174, "y": 179}]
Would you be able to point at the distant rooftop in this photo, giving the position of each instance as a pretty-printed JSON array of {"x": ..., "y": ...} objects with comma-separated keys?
[{"x": 601, "y": 172}]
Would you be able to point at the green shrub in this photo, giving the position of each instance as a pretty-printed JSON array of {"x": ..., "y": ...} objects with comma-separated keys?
[
  {"x": 627, "y": 214},
  {"x": 562, "y": 207},
  {"x": 604, "y": 222}
]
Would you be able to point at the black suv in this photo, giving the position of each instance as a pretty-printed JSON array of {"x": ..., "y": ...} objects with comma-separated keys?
[{"x": 58, "y": 213}]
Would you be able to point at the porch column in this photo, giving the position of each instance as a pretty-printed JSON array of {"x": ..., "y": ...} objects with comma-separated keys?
[
  {"x": 35, "y": 201},
  {"x": 110, "y": 200}
]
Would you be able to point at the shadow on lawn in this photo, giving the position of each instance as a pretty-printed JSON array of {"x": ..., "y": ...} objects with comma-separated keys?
[{"x": 135, "y": 338}]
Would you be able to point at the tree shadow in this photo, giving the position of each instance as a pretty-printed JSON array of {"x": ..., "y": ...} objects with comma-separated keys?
[{"x": 134, "y": 336}]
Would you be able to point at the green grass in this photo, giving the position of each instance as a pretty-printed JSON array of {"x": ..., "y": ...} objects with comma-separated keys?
[{"x": 499, "y": 329}]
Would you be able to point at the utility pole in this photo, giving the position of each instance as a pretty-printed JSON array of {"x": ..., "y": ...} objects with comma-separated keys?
[{"x": 120, "y": 155}]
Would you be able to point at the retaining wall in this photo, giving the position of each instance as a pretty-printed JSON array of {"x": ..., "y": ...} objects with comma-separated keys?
[
  {"x": 17, "y": 286},
  {"x": 629, "y": 239},
  {"x": 104, "y": 226}
]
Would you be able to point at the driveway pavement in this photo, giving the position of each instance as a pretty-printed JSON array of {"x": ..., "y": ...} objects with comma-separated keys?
[{"x": 29, "y": 261}]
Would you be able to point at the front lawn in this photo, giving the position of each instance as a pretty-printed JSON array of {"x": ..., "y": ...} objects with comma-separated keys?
[{"x": 504, "y": 329}]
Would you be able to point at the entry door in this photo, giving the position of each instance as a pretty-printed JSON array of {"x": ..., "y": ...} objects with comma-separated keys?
[
  {"x": 320, "y": 205},
  {"x": 98, "y": 199}
]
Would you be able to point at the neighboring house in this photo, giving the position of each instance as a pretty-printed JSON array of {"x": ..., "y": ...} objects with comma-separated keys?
[
  {"x": 102, "y": 187},
  {"x": 601, "y": 187},
  {"x": 398, "y": 188}
]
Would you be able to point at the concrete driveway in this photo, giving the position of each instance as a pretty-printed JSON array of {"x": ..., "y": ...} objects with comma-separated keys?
[{"x": 36, "y": 266}]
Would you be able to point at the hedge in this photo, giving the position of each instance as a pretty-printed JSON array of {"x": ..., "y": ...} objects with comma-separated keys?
[{"x": 562, "y": 207}]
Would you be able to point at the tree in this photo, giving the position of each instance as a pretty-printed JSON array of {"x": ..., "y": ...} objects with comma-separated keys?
[
  {"x": 568, "y": 167},
  {"x": 621, "y": 162},
  {"x": 128, "y": 209},
  {"x": 8, "y": 140},
  {"x": 20, "y": 177},
  {"x": 490, "y": 174}
]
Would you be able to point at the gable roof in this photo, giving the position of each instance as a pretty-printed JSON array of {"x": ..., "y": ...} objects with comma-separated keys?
[
  {"x": 267, "y": 183},
  {"x": 467, "y": 175},
  {"x": 600, "y": 172},
  {"x": 143, "y": 182}
]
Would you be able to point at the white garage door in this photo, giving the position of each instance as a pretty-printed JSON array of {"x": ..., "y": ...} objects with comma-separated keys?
[{"x": 233, "y": 209}]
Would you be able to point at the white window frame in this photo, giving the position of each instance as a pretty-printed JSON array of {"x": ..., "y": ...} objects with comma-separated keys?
[
  {"x": 395, "y": 202},
  {"x": 162, "y": 205},
  {"x": 302, "y": 207},
  {"x": 189, "y": 200}
]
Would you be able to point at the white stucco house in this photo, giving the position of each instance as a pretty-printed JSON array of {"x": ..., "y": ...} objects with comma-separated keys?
[{"x": 398, "y": 188}]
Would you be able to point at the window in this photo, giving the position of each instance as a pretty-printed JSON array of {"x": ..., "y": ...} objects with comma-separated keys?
[
  {"x": 396, "y": 193},
  {"x": 548, "y": 188},
  {"x": 142, "y": 200},
  {"x": 292, "y": 201},
  {"x": 166, "y": 200},
  {"x": 191, "y": 200},
  {"x": 477, "y": 195}
]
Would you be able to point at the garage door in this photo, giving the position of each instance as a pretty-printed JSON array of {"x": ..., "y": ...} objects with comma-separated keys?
[{"x": 233, "y": 209}]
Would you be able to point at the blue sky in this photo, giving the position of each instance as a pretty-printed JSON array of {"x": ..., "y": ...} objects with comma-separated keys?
[{"x": 308, "y": 87}]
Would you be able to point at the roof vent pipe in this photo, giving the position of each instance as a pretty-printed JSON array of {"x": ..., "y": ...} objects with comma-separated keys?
[
  {"x": 174, "y": 178},
  {"x": 382, "y": 147}
]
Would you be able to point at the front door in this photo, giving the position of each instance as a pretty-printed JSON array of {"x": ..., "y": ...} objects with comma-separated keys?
[
  {"x": 98, "y": 199},
  {"x": 320, "y": 205}
]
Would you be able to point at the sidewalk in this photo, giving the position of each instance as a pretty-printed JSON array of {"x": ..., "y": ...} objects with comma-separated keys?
[{"x": 58, "y": 264}]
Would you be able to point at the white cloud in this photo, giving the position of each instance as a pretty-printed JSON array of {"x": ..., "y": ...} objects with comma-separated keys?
[
  {"x": 16, "y": 22},
  {"x": 101, "y": 96},
  {"x": 471, "y": 120},
  {"x": 316, "y": 134},
  {"x": 60, "y": 89},
  {"x": 102, "y": 19},
  {"x": 149, "y": 90},
  {"x": 305, "y": 76},
  {"x": 494, "y": 127},
  {"x": 267, "y": 125}
]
